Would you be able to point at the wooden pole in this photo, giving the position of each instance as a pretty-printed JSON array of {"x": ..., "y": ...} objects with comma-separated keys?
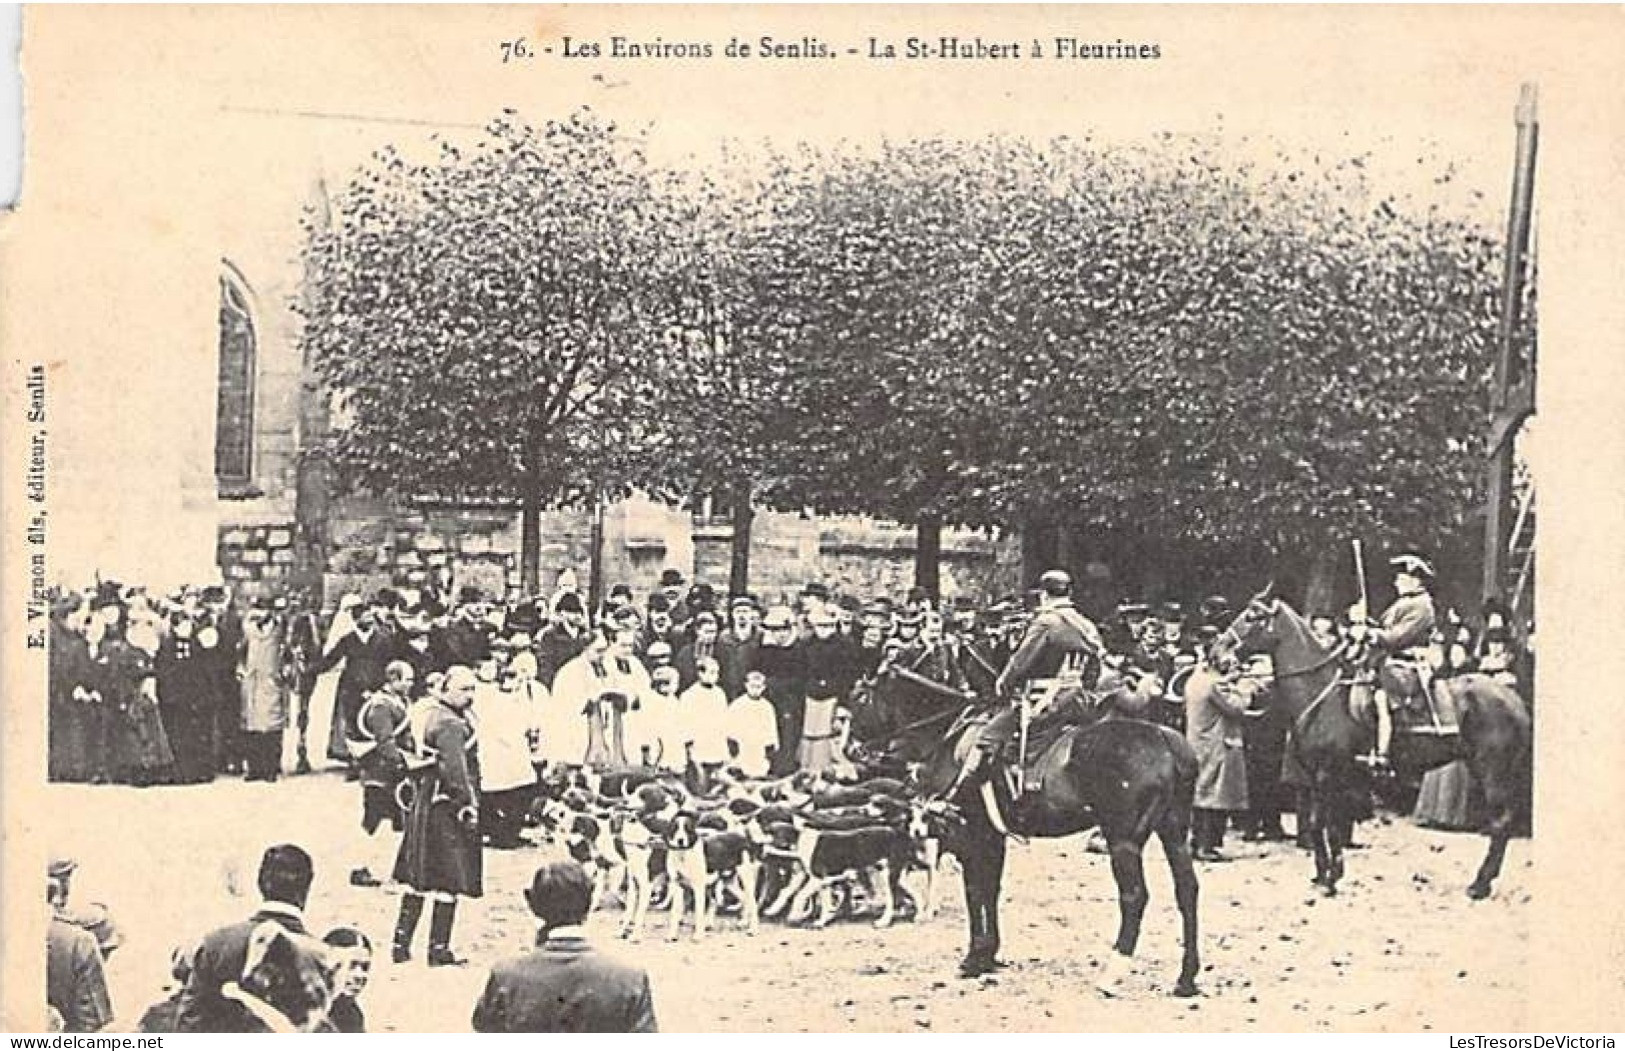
[{"x": 1514, "y": 384}]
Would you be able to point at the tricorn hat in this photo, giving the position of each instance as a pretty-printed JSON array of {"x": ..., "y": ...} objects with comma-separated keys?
[{"x": 1412, "y": 563}]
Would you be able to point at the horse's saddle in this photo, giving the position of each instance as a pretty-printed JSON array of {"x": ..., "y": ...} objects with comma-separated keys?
[
  {"x": 1418, "y": 702},
  {"x": 1025, "y": 771}
]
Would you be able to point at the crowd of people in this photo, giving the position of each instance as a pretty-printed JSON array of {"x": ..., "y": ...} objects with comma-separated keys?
[{"x": 450, "y": 712}]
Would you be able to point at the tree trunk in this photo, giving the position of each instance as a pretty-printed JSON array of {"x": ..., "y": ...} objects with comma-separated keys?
[
  {"x": 928, "y": 555},
  {"x": 595, "y": 555},
  {"x": 743, "y": 515},
  {"x": 530, "y": 541}
]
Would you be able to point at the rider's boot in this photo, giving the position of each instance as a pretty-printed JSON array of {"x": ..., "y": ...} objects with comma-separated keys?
[
  {"x": 1378, "y": 759},
  {"x": 976, "y": 761}
]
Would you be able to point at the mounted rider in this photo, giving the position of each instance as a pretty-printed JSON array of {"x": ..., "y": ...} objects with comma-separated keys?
[
  {"x": 1396, "y": 659},
  {"x": 1058, "y": 659}
]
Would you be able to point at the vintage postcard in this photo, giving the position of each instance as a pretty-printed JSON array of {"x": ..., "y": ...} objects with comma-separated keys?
[{"x": 862, "y": 519}]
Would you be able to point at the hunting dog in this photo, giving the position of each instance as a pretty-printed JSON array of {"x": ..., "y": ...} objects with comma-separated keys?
[{"x": 701, "y": 863}]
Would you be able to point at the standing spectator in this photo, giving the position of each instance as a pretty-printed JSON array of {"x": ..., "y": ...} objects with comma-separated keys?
[
  {"x": 506, "y": 722},
  {"x": 565, "y": 985},
  {"x": 661, "y": 627},
  {"x": 660, "y": 714},
  {"x": 704, "y": 645},
  {"x": 830, "y": 665},
  {"x": 736, "y": 649},
  {"x": 71, "y": 688},
  {"x": 440, "y": 852},
  {"x": 753, "y": 728},
  {"x": 75, "y": 984},
  {"x": 222, "y": 639},
  {"x": 1265, "y": 734},
  {"x": 567, "y": 731},
  {"x": 365, "y": 651},
  {"x": 132, "y": 745},
  {"x": 781, "y": 661},
  {"x": 301, "y": 655},
  {"x": 185, "y": 691},
  {"x": 379, "y": 750},
  {"x": 702, "y": 720},
  {"x": 264, "y": 702},
  {"x": 415, "y": 642},
  {"x": 206, "y": 1005},
  {"x": 153, "y": 761},
  {"x": 1215, "y": 711},
  {"x": 352, "y": 954},
  {"x": 673, "y": 590},
  {"x": 564, "y": 639}
]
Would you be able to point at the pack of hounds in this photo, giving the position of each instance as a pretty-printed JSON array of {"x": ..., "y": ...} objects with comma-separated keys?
[{"x": 802, "y": 849}]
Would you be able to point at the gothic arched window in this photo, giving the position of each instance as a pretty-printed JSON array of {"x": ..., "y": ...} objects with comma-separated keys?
[{"x": 234, "y": 416}]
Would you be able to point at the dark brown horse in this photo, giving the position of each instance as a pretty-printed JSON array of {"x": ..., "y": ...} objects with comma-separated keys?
[
  {"x": 1327, "y": 737},
  {"x": 1129, "y": 778}
]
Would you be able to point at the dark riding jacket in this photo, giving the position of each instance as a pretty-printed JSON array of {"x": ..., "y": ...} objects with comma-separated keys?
[{"x": 1057, "y": 636}]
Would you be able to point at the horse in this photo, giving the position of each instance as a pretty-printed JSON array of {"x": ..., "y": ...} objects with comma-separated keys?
[
  {"x": 1130, "y": 778},
  {"x": 1327, "y": 737}
]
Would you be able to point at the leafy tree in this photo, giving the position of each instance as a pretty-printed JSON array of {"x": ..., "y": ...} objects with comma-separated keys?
[{"x": 492, "y": 319}]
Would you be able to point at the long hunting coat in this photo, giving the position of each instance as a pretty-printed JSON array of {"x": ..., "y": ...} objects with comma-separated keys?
[
  {"x": 1214, "y": 726},
  {"x": 440, "y": 851}
]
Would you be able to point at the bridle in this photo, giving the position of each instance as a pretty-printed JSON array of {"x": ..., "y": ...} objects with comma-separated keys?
[{"x": 1261, "y": 617}]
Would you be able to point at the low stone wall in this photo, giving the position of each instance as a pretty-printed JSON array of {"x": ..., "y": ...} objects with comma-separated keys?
[{"x": 372, "y": 544}]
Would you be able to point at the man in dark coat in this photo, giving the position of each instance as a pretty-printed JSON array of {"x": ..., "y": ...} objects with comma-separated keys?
[
  {"x": 565, "y": 639},
  {"x": 366, "y": 651},
  {"x": 440, "y": 849},
  {"x": 703, "y": 647},
  {"x": 223, "y": 648},
  {"x": 565, "y": 985},
  {"x": 285, "y": 876},
  {"x": 736, "y": 648},
  {"x": 1059, "y": 657},
  {"x": 71, "y": 701},
  {"x": 75, "y": 983},
  {"x": 782, "y": 662},
  {"x": 185, "y": 690}
]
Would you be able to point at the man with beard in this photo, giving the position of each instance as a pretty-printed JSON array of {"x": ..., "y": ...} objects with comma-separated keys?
[
  {"x": 782, "y": 662},
  {"x": 660, "y": 627},
  {"x": 673, "y": 590},
  {"x": 736, "y": 649}
]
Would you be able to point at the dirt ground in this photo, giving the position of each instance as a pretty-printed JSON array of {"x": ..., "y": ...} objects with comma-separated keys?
[{"x": 1400, "y": 949}]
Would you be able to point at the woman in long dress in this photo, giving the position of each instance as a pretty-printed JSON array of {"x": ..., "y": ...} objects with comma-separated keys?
[{"x": 1448, "y": 797}]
